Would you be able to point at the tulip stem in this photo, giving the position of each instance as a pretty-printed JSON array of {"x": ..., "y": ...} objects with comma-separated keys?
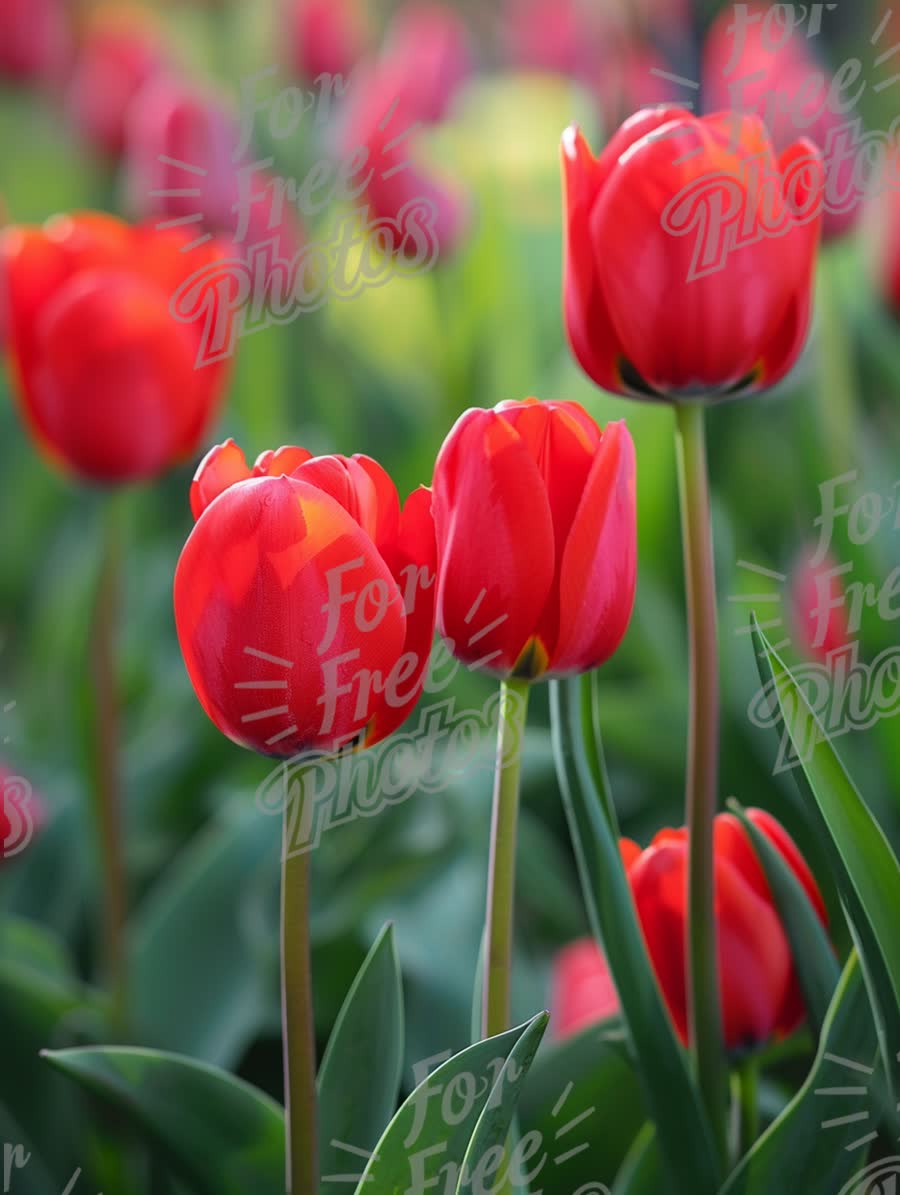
[
  {"x": 502, "y": 866},
  {"x": 704, "y": 1011},
  {"x": 748, "y": 1086},
  {"x": 107, "y": 788},
  {"x": 298, "y": 1030}
]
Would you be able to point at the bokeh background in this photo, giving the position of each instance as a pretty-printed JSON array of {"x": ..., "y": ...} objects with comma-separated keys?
[{"x": 387, "y": 374}]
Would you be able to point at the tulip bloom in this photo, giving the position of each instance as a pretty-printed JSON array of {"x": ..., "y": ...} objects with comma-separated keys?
[
  {"x": 583, "y": 990},
  {"x": 325, "y": 37},
  {"x": 304, "y": 599},
  {"x": 106, "y": 379},
  {"x": 535, "y": 518},
  {"x": 758, "y": 986},
  {"x": 818, "y": 608},
  {"x": 690, "y": 254},
  {"x": 35, "y": 39},
  {"x": 430, "y": 44}
]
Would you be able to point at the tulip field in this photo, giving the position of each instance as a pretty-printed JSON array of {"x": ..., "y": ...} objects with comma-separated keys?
[{"x": 449, "y": 597}]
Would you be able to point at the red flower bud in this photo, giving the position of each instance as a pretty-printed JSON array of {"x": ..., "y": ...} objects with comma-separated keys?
[
  {"x": 428, "y": 42},
  {"x": 35, "y": 39},
  {"x": 304, "y": 599},
  {"x": 690, "y": 252},
  {"x": 106, "y": 379},
  {"x": 121, "y": 51},
  {"x": 325, "y": 37},
  {"x": 583, "y": 989},
  {"x": 534, "y": 511},
  {"x": 818, "y": 607},
  {"x": 759, "y": 988}
]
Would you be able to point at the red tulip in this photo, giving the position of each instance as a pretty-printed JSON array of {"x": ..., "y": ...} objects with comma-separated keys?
[
  {"x": 106, "y": 378},
  {"x": 429, "y": 214},
  {"x": 818, "y": 608},
  {"x": 22, "y": 814},
  {"x": 884, "y": 241},
  {"x": 583, "y": 990},
  {"x": 428, "y": 42},
  {"x": 119, "y": 54},
  {"x": 35, "y": 39},
  {"x": 690, "y": 255},
  {"x": 325, "y": 37},
  {"x": 759, "y": 988},
  {"x": 534, "y": 512},
  {"x": 772, "y": 72},
  {"x": 560, "y": 36},
  {"x": 304, "y": 599}
]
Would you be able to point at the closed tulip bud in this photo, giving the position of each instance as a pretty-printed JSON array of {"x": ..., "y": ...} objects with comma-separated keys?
[
  {"x": 35, "y": 39},
  {"x": 106, "y": 378},
  {"x": 535, "y": 518},
  {"x": 120, "y": 52},
  {"x": 690, "y": 254},
  {"x": 818, "y": 607},
  {"x": 762, "y": 66},
  {"x": 758, "y": 985},
  {"x": 324, "y": 37},
  {"x": 304, "y": 599}
]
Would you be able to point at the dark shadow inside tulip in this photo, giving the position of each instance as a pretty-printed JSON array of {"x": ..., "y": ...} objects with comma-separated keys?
[{"x": 638, "y": 385}]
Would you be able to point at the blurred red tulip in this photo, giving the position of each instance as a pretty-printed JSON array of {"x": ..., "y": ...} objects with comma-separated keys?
[
  {"x": 883, "y": 239},
  {"x": 690, "y": 254},
  {"x": 428, "y": 43},
  {"x": 818, "y": 607},
  {"x": 324, "y": 37},
  {"x": 34, "y": 39},
  {"x": 534, "y": 512},
  {"x": 120, "y": 52},
  {"x": 428, "y": 216},
  {"x": 22, "y": 814},
  {"x": 583, "y": 989},
  {"x": 564, "y": 37},
  {"x": 753, "y": 67},
  {"x": 760, "y": 992},
  {"x": 106, "y": 378},
  {"x": 304, "y": 599}
]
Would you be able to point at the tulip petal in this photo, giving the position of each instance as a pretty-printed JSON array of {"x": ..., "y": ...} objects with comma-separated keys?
[
  {"x": 223, "y": 466},
  {"x": 486, "y": 478},
  {"x": 599, "y": 564}
]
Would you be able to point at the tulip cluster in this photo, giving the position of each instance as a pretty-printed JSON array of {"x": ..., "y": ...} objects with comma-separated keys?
[{"x": 759, "y": 989}]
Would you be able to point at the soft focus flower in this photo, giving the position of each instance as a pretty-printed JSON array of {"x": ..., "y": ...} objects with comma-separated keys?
[
  {"x": 22, "y": 814},
  {"x": 324, "y": 37},
  {"x": 34, "y": 39},
  {"x": 818, "y": 607},
  {"x": 421, "y": 215},
  {"x": 583, "y": 990},
  {"x": 760, "y": 992},
  {"x": 561, "y": 36},
  {"x": 304, "y": 599},
  {"x": 883, "y": 235},
  {"x": 120, "y": 52},
  {"x": 534, "y": 512},
  {"x": 690, "y": 254},
  {"x": 427, "y": 42},
  {"x": 105, "y": 377},
  {"x": 758, "y": 65}
]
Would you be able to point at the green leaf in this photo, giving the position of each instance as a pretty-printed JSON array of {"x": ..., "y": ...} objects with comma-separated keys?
[
  {"x": 865, "y": 867},
  {"x": 367, "y": 1040},
  {"x": 431, "y": 1133},
  {"x": 219, "y": 1133},
  {"x": 817, "y": 968},
  {"x": 200, "y": 914},
  {"x": 806, "y": 1148},
  {"x": 640, "y": 1173},
  {"x": 587, "y": 1081},
  {"x": 685, "y": 1139}
]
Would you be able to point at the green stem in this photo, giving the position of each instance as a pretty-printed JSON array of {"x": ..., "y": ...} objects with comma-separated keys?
[
  {"x": 592, "y": 745},
  {"x": 107, "y": 788},
  {"x": 301, "y": 1161},
  {"x": 839, "y": 404},
  {"x": 502, "y": 867},
  {"x": 748, "y": 1083},
  {"x": 704, "y": 1012}
]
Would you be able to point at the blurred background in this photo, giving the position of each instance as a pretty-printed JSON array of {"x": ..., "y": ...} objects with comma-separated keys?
[{"x": 91, "y": 95}]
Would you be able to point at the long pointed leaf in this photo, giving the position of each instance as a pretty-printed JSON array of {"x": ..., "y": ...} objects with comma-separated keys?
[
  {"x": 367, "y": 1040},
  {"x": 685, "y": 1138}
]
